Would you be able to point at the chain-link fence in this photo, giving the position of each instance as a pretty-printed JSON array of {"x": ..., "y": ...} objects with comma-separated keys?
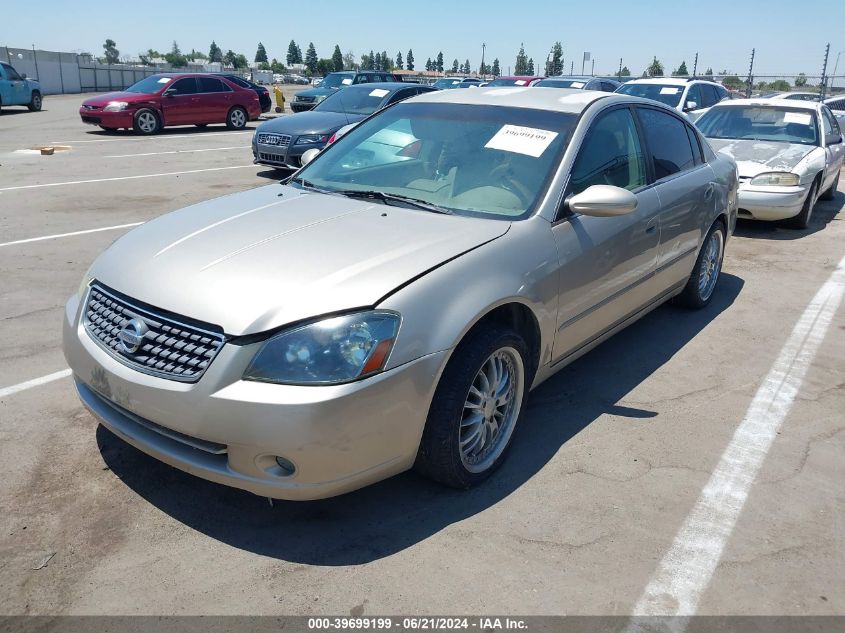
[{"x": 759, "y": 85}]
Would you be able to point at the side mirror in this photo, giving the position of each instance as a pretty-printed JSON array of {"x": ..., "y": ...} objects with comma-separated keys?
[
  {"x": 833, "y": 139},
  {"x": 691, "y": 105},
  {"x": 23, "y": 75},
  {"x": 169, "y": 92},
  {"x": 603, "y": 201},
  {"x": 309, "y": 155}
]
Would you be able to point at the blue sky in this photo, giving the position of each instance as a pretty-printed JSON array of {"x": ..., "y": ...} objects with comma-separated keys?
[{"x": 722, "y": 31}]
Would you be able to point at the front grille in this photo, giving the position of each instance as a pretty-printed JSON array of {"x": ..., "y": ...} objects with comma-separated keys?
[
  {"x": 281, "y": 140},
  {"x": 91, "y": 107},
  {"x": 93, "y": 120},
  {"x": 168, "y": 347},
  {"x": 271, "y": 158},
  {"x": 305, "y": 99}
]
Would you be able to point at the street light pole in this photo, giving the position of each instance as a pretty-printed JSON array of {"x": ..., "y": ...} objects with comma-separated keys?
[{"x": 483, "y": 48}]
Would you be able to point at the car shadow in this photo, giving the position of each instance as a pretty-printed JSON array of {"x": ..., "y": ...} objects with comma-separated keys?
[
  {"x": 392, "y": 515},
  {"x": 186, "y": 130},
  {"x": 823, "y": 213},
  {"x": 5, "y": 111},
  {"x": 275, "y": 174}
]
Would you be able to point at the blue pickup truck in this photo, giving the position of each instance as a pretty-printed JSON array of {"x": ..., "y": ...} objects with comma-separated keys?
[{"x": 18, "y": 90}]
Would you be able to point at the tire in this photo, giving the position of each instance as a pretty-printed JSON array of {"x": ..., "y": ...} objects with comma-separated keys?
[
  {"x": 708, "y": 267},
  {"x": 146, "y": 122},
  {"x": 201, "y": 124},
  {"x": 802, "y": 220},
  {"x": 237, "y": 118},
  {"x": 831, "y": 191},
  {"x": 455, "y": 404},
  {"x": 35, "y": 101}
]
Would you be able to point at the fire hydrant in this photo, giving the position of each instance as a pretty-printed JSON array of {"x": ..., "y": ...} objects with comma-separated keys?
[{"x": 280, "y": 99}]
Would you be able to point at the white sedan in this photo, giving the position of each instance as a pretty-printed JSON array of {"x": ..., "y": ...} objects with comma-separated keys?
[{"x": 788, "y": 153}]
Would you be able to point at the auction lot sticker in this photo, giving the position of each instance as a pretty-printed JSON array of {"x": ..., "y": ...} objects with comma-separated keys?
[{"x": 530, "y": 141}]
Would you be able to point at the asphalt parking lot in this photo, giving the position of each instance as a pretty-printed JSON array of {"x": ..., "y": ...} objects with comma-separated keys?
[{"x": 608, "y": 465}]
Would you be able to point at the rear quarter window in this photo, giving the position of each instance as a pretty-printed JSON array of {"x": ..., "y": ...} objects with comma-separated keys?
[{"x": 668, "y": 142}]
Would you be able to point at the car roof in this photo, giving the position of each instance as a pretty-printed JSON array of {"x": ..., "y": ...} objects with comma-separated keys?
[
  {"x": 672, "y": 81},
  {"x": 563, "y": 100},
  {"x": 385, "y": 85},
  {"x": 532, "y": 77},
  {"x": 573, "y": 77},
  {"x": 771, "y": 103}
]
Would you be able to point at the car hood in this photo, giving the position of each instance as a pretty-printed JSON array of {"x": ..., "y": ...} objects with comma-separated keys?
[
  {"x": 317, "y": 92},
  {"x": 130, "y": 97},
  {"x": 256, "y": 260},
  {"x": 312, "y": 122},
  {"x": 756, "y": 157}
]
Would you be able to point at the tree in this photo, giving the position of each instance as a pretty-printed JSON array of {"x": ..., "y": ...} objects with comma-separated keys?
[
  {"x": 175, "y": 57},
  {"x": 261, "y": 53},
  {"x": 440, "y": 62},
  {"x": 371, "y": 61},
  {"x": 521, "y": 66},
  {"x": 112, "y": 54},
  {"x": 366, "y": 62},
  {"x": 349, "y": 60},
  {"x": 655, "y": 69},
  {"x": 277, "y": 67},
  {"x": 732, "y": 82},
  {"x": 428, "y": 64},
  {"x": 294, "y": 55},
  {"x": 467, "y": 68},
  {"x": 801, "y": 80},
  {"x": 496, "y": 68},
  {"x": 311, "y": 58},
  {"x": 230, "y": 59},
  {"x": 148, "y": 57},
  {"x": 455, "y": 65},
  {"x": 681, "y": 71},
  {"x": 399, "y": 63},
  {"x": 625, "y": 72},
  {"x": 325, "y": 66},
  {"x": 409, "y": 60},
  {"x": 379, "y": 62},
  {"x": 531, "y": 66},
  {"x": 708, "y": 74},
  {"x": 556, "y": 65},
  {"x": 214, "y": 52},
  {"x": 386, "y": 62},
  {"x": 781, "y": 85},
  {"x": 196, "y": 55}
]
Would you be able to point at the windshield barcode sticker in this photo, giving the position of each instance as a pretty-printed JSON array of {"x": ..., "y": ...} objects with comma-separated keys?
[
  {"x": 669, "y": 91},
  {"x": 379, "y": 92},
  {"x": 522, "y": 140},
  {"x": 797, "y": 117},
  {"x": 577, "y": 84}
]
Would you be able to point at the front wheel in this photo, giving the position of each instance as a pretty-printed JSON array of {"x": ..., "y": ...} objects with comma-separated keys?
[
  {"x": 831, "y": 191},
  {"x": 475, "y": 408},
  {"x": 146, "y": 122},
  {"x": 705, "y": 274},
  {"x": 802, "y": 220},
  {"x": 236, "y": 119},
  {"x": 35, "y": 102}
]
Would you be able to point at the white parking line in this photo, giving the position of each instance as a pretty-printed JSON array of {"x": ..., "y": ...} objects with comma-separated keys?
[
  {"x": 179, "y": 151},
  {"x": 157, "y": 137},
  {"x": 35, "y": 382},
  {"x": 83, "y": 182},
  {"x": 57, "y": 235},
  {"x": 685, "y": 571}
]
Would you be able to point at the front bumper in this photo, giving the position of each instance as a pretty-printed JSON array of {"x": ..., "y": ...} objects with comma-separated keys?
[
  {"x": 289, "y": 157},
  {"x": 770, "y": 203},
  {"x": 298, "y": 106},
  {"x": 111, "y": 120},
  {"x": 230, "y": 431}
]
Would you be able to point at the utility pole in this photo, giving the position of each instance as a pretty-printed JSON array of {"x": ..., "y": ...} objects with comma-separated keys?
[
  {"x": 750, "y": 81},
  {"x": 571, "y": 69},
  {"x": 35, "y": 58},
  {"x": 483, "y": 48},
  {"x": 824, "y": 71},
  {"x": 619, "y": 74},
  {"x": 593, "y": 71},
  {"x": 695, "y": 65}
]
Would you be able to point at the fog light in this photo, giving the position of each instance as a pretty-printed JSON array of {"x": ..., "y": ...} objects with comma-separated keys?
[{"x": 286, "y": 465}]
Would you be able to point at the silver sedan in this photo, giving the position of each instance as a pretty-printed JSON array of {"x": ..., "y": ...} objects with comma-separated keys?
[{"x": 387, "y": 310}]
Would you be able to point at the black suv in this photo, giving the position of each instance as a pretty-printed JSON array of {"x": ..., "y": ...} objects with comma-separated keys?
[{"x": 307, "y": 99}]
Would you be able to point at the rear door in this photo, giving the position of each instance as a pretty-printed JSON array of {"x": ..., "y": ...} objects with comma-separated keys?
[
  {"x": 606, "y": 263},
  {"x": 215, "y": 99},
  {"x": 686, "y": 187},
  {"x": 180, "y": 103},
  {"x": 834, "y": 147}
]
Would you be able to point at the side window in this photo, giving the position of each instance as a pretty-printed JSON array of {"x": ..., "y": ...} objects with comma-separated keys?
[
  {"x": 11, "y": 73},
  {"x": 695, "y": 145},
  {"x": 211, "y": 84},
  {"x": 400, "y": 95},
  {"x": 362, "y": 79},
  {"x": 723, "y": 93},
  {"x": 830, "y": 124},
  {"x": 839, "y": 104},
  {"x": 709, "y": 95},
  {"x": 668, "y": 142},
  {"x": 607, "y": 86},
  {"x": 694, "y": 94},
  {"x": 611, "y": 154},
  {"x": 186, "y": 86}
]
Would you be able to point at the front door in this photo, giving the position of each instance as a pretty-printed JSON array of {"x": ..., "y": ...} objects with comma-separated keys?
[{"x": 606, "y": 263}]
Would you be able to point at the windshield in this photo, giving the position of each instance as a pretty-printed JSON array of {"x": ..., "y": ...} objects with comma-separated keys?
[
  {"x": 151, "y": 84},
  {"x": 447, "y": 83},
  {"x": 760, "y": 123},
  {"x": 561, "y": 83},
  {"x": 508, "y": 82},
  {"x": 670, "y": 95},
  {"x": 478, "y": 160},
  {"x": 354, "y": 101},
  {"x": 336, "y": 80}
]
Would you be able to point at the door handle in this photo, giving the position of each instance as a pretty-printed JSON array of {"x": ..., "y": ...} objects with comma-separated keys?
[{"x": 651, "y": 227}]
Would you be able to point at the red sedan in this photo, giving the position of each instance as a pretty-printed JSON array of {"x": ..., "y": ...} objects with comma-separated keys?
[{"x": 173, "y": 99}]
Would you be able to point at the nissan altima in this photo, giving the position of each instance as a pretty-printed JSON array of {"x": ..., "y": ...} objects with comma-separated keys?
[{"x": 372, "y": 315}]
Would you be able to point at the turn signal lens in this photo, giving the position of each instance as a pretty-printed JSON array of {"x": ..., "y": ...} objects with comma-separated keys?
[{"x": 776, "y": 179}]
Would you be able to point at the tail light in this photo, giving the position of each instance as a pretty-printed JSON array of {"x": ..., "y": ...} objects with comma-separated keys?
[{"x": 332, "y": 138}]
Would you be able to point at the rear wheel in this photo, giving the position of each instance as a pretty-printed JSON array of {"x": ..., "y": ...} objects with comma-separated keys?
[
  {"x": 475, "y": 408},
  {"x": 146, "y": 122},
  {"x": 708, "y": 267},
  {"x": 802, "y": 220},
  {"x": 831, "y": 192},
  {"x": 237, "y": 118},
  {"x": 35, "y": 101}
]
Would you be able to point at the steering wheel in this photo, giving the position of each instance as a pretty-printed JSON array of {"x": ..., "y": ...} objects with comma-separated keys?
[{"x": 503, "y": 176}]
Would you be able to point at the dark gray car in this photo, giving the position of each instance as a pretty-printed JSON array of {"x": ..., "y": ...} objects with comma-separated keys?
[
  {"x": 579, "y": 83},
  {"x": 281, "y": 142}
]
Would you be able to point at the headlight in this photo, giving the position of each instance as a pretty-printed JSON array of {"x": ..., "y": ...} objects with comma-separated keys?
[
  {"x": 115, "y": 106},
  {"x": 776, "y": 179},
  {"x": 308, "y": 139},
  {"x": 331, "y": 351},
  {"x": 320, "y": 98}
]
